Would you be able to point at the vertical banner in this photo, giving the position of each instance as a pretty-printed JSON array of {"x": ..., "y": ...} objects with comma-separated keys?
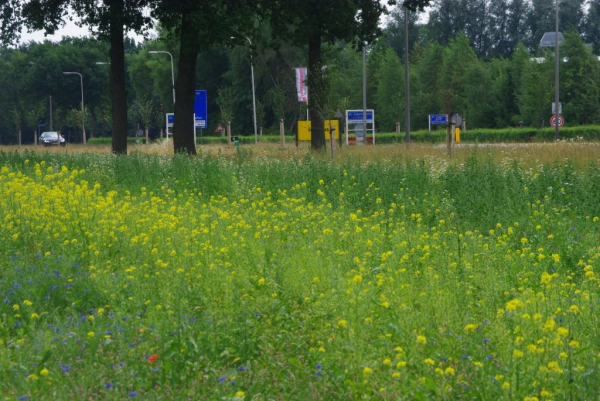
[{"x": 301, "y": 85}]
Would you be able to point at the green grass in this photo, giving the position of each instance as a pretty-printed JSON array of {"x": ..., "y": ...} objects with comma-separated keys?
[{"x": 211, "y": 277}]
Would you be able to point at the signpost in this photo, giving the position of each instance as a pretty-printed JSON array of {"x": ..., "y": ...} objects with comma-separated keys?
[
  {"x": 360, "y": 124},
  {"x": 200, "y": 110},
  {"x": 437, "y": 119},
  {"x": 169, "y": 120},
  {"x": 561, "y": 121},
  {"x": 200, "y": 114},
  {"x": 554, "y": 108}
]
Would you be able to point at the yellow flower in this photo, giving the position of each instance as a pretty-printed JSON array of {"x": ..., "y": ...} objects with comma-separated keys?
[
  {"x": 367, "y": 371},
  {"x": 91, "y": 334},
  {"x": 429, "y": 361},
  {"x": 27, "y": 303},
  {"x": 357, "y": 279},
  {"x": 549, "y": 325},
  {"x": 517, "y": 353},
  {"x": 505, "y": 385},
  {"x": 15, "y": 307},
  {"x": 261, "y": 281},
  {"x": 342, "y": 323},
  {"x": 44, "y": 372},
  {"x": 240, "y": 394},
  {"x": 449, "y": 371},
  {"x": 385, "y": 304},
  {"x": 395, "y": 375},
  {"x": 421, "y": 340},
  {"x": 546, "y": 278},
  {"x": 574, "y": 344},
  {"x": 556, "y": 257},
  {"x": 470, "y": 327},
  {"x": 387, "y": 362}
]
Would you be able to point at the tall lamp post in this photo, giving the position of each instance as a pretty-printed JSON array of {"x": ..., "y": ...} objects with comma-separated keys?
[
  {"x": 253, "y": 89},
  {"x": 82, "y": 104},
  {"x": 406, "y": 77},
  {"x": 172, "y": 69},
  {"x": 556, "y": 77}
]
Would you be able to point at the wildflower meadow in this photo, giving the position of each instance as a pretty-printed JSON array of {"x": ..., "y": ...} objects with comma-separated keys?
[{"x": 255, "y": 278}]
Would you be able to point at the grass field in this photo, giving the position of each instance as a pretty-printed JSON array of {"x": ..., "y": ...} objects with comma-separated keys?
[{"x": 272, "y": 274}]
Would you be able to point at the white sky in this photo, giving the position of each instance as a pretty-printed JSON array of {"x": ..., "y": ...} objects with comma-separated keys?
[{"x": 70, "y": 29}]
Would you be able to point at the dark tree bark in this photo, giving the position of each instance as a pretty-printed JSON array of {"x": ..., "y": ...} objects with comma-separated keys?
[
  {"x": 316, "y": 86},
  {"x": 118, "y": 94},
  {"x": 183, "y": 127}
]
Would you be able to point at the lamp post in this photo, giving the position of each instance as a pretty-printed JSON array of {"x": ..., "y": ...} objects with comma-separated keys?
[
  {"x": 253, "y": 90},
  {"x": 82, "y": 105},
  {"x": 406, "y": 77},
  {"x": 172, "y": 69},
  {"x": 556, "y": 77}
]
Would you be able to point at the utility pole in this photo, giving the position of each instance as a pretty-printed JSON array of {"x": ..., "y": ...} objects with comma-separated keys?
[
  {"x": 364, "y": 60},
  {"x": 406, "y": 77},
  {"x": 556, "y": 77},
  {"x": 51, "y": 124}
]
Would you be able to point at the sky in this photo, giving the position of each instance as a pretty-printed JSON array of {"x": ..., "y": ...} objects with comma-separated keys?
[{"x": 70, "y": 29}]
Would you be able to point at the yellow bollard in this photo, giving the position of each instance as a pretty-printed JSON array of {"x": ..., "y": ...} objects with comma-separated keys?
[{"x": 457, "y": 135}]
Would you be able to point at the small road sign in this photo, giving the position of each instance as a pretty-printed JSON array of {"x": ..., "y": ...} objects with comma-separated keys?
[
  {"x": 438, "y": 119},
  {"x": 561, "y": 121},
  {"x": 219, "y": 128}
]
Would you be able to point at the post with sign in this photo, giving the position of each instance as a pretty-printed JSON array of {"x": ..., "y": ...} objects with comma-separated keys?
[
  {"x": 356, "y": 119},
  {"x": 437, "y": 119}
]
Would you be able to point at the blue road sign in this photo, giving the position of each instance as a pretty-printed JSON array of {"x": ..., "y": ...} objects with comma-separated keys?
[
  {"x": 357, "y": 116},
  {"x": 438, "y": 119},
  {"x": 170, "y": 119},
  {"x": 200, "y": 110}
]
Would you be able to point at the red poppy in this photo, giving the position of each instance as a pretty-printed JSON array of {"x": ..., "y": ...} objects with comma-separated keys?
[{"x": 152, "y": 358}]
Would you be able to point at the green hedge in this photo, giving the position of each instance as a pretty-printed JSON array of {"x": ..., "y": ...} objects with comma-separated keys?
[{"x": 587, "y": 132}]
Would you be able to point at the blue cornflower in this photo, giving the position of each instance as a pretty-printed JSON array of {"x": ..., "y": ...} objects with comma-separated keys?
[
  {"x": 108, "y": 385},
  {"x": 241, "y": 368},
  {"x": 132, "y": 393}
]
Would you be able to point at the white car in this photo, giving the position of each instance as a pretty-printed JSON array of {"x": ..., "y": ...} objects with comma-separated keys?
[{"x": 52, "y": 138}]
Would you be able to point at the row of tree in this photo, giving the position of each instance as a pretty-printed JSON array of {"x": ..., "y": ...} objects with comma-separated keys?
[{"x": 452, "y": 75}]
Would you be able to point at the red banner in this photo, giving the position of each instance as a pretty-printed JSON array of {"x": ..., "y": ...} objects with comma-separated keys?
[{"x": 301, "y": 85}]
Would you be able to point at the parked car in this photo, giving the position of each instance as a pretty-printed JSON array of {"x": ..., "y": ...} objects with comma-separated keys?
[{"x": 52, "y": 138}]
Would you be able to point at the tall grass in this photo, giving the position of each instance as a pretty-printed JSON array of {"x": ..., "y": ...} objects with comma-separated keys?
[{"x": 244, "y": 276}]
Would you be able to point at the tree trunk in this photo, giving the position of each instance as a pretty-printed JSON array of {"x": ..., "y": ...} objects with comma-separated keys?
[
  {"x": 183, "y": 126},
  {"x": 316, "y": 92},
  {"x": 118, "y": 95}
]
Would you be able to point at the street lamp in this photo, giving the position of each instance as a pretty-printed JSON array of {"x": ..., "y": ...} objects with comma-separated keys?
[
  {"x": 102, "y": 63},
  {"x": 406, "y": 77},
  {"x": 82, "y": 105},
  {"x": 253, "y": 90},
  {"x": 172, "y": 70},
  {"x": 556, "y": 79}
]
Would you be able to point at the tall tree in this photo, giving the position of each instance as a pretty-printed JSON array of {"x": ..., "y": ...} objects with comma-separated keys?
[
  {"x": 591, "y": 25},
  {"x": 580, "y": 81},
  {"x": 459, "y": 56},
  {"x": 315, "y": 22},
  {"x": 200, "y": 25}
]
